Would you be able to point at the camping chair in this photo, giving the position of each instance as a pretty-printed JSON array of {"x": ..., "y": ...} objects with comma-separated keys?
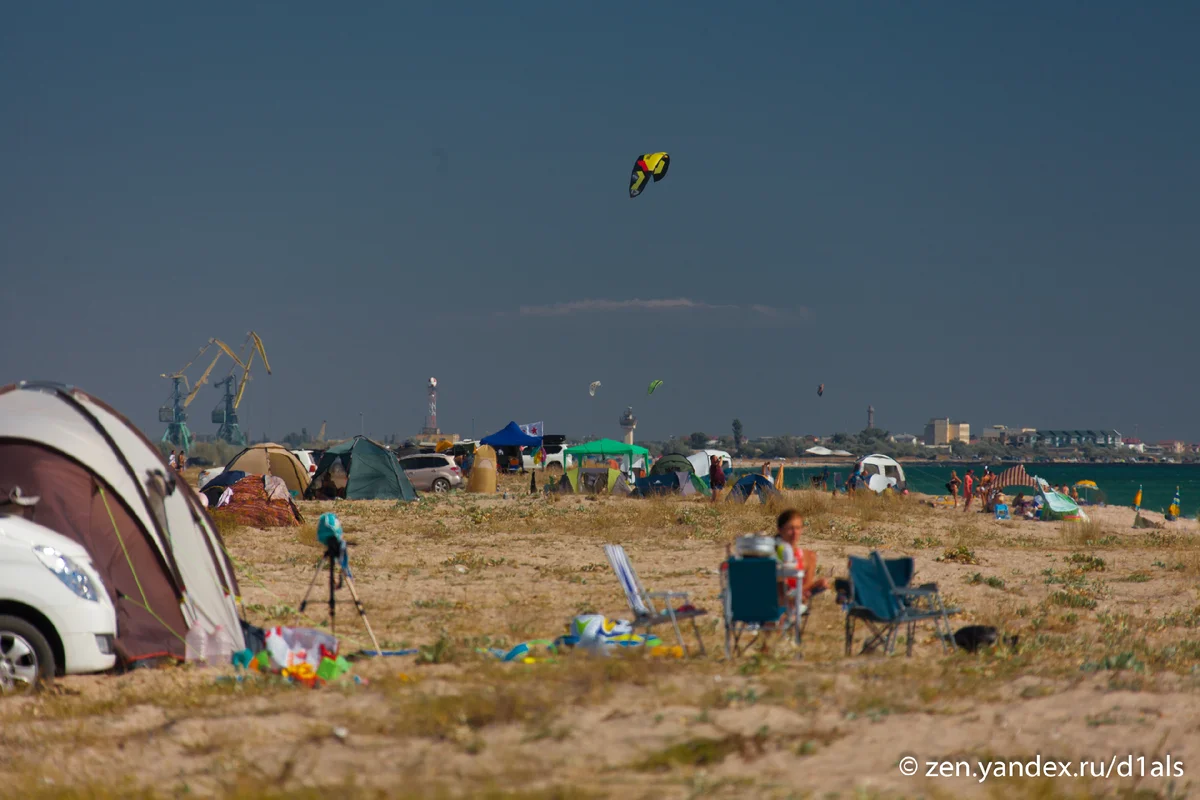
[
  {"x": 882, "y": 597},
  {"x": 641, "y": 602},
  {"x": 750, "y": 596},
  {"x": 1002, "y": 511}
]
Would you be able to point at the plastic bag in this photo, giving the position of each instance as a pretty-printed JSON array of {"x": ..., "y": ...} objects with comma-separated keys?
[{"x": 291, "y": 647}]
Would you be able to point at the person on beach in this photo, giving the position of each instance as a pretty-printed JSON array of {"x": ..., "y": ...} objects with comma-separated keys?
[
  {"x": 953, "y": 485},
  {"x": 968, "y": 489},
  {"x": 766, "y": 472},
  {"x": 172, "y": 462},
  {"x": 716, "y": 477},
  {"x": 182, "y": 461},
  {"x": 788, "y": 527}
]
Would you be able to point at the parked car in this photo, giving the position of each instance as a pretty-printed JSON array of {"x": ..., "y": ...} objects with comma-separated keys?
[
  {"x": 555, "y": 446},
  {"x": 432, "y": 472},
  {"x": 56, "y": 617},
  {"x": 306, "y": 460}
]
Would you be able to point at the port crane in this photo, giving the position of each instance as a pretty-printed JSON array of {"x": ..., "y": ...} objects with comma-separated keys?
[
  {"x": 225, "y": 414},
  {"x": 183, "y": 393}
]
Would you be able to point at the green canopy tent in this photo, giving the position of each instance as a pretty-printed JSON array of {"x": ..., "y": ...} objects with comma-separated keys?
[
  {"x": 608, "y": 448},
  {"x": 364, "y": 470}
]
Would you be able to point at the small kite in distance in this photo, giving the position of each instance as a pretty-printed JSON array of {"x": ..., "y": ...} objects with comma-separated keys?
[
  {"x": 653, "y": 385},
  {"x": 646, "y": 166},
  {"x": 592, "y": 389},
  {"x": 820, "y": 390}
]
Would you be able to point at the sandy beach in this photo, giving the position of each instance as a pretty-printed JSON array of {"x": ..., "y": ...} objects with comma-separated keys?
[{"x": 1104, "y": 667}]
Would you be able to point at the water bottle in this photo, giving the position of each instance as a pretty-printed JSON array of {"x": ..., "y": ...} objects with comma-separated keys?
[{"x": 194, "y": 645}]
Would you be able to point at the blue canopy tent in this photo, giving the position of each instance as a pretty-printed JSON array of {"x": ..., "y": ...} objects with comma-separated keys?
[
  {"x": 754, "y": 483},
  {"x": 512, "y": 439}
]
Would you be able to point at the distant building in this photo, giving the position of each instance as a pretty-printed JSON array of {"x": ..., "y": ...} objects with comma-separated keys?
[
  {"x": 905, "y": 438},
  {"x": 1136, "y": 445},
  {"x": 1078, "y": 438},
  {"x": 943, "y": 431},
  {"x": 1013, "y": 437},
  {"x": 1173, "y": 446}
]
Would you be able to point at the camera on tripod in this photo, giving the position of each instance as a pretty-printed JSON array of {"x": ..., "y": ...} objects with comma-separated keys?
[{"x": 329, "y": 534}]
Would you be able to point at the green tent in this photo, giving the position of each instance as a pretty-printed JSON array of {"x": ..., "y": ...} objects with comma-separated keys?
[
  {"x": 608, "y": 448},
  {"x": 672, "y": 462},
  {"x": 364, "y": 469}
]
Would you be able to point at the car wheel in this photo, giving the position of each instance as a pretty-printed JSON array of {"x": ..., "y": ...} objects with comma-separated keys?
[
  {"x": 441, "y": 485},
  {"x": 26, "y": 659}
]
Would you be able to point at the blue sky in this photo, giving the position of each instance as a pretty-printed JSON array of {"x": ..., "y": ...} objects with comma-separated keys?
[{"x": 978, "y": 210}]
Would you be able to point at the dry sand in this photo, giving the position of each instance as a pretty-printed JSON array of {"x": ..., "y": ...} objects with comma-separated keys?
[{"x": 1106, "y": 616}]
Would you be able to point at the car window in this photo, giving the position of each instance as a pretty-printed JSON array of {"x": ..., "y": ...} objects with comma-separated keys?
[
  {"x": 891, "y": 472},
  {"x": 417, "y": 462},
  {"x": 553, "y": 449}
]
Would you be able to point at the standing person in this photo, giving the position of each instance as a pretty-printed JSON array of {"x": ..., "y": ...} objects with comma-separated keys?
[
  {"x": 716, "y": 476},
  {"x": 855, "y": 479},
  {"x": 172, "y": 462},
  {"x": 953, "y": 485},
  {"x": 766, "y": 472},
  {"x": 825, "y": 477},
  {"x": 968, "y": 488},
  {"x": 182, "y": 461}
]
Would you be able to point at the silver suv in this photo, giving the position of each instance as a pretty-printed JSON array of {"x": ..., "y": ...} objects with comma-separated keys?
[{"x": 432, "y": 472}]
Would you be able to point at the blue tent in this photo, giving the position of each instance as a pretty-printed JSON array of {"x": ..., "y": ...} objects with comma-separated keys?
[
  {"x": 754, "y": 483},
  {"x": 511, "y": 435}
]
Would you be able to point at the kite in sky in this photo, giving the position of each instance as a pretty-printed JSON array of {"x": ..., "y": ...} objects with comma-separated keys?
[
  {"x": 646, "y": 166},
  {"x": 592, "y": 389},
  {"x": 820, "y": 390},
  {"x": 653, "y": 385}
]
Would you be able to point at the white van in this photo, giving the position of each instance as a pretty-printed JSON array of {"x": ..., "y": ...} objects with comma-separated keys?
[{"x": 56, "y": 617}]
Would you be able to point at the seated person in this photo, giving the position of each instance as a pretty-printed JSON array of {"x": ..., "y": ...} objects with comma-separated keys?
[{"x": 788, "y": 528}]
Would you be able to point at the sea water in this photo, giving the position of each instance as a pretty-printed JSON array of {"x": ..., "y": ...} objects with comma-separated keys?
[{"x": 1118, "y": 482}]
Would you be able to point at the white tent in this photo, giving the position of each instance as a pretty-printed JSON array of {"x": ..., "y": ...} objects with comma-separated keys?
[
  {"x": 888, "y": 469},
  {"x": 63, "y": 421},
  {"x": 700, "y": 461}
]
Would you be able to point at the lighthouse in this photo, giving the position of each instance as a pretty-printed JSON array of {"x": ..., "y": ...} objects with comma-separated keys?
[{"x": 628, "y": 423}]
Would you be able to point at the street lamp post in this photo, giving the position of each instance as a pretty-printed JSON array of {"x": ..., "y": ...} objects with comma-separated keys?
[{"x": 361, "y": 426}]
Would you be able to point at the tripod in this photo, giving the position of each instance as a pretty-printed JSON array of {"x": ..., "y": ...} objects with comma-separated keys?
[{"x": 335, "y": 554}]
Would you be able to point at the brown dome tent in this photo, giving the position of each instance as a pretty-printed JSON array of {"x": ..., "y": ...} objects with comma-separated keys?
[{"x": 275, "y": 459}]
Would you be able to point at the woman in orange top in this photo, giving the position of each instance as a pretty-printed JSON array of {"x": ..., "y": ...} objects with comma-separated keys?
[{"x": 788, "y": 527}]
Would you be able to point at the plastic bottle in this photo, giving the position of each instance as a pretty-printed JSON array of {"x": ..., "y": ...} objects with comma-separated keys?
[{"x": 194, "y": 645}]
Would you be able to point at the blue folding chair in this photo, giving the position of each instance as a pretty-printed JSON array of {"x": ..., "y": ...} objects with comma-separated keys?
[
  {"x": 1002, "y": 511},
  {"x": 751, "y": 599},
  {"x": 883, "y": 598}
]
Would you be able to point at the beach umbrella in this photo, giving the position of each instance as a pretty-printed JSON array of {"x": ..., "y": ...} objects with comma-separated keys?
[{"x": 1173, "y": 511}]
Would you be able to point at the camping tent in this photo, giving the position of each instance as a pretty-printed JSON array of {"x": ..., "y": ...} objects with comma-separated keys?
[
  {"x": 275, "y": 459},
  {"x": 361, "y": 469},
  {"x": 753, "y": 483},
  {"x": 104, "y": 485},
  {"x": 672, "y": 463},
  {"x": 256, "y": 504},
  {"x": 511, "y": 435},
  {"x": 682, "y": 483},
  {"x": 886, "y": 466},
  {"x": 593, "y": 480},
  {"x": 605, "y": 449},
  {"x": 701, "y": 460}
]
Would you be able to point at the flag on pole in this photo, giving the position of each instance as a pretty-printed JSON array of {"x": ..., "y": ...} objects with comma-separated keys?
[
  {"x": 533, "y": 429},
  {"x": 1174, "y": 509},
  {"x": 539, "y": 457}
]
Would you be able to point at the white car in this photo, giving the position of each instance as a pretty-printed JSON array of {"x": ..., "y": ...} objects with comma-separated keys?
[
  {"x": 556, "y": 455},
  {"x": 306, "y": 460},
  {"x": 56, "y": 615}
]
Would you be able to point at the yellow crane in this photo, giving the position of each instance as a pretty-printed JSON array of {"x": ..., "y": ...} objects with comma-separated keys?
[
  {"x": 225, "y": 414},
  {"x": 175, "y": 414}
]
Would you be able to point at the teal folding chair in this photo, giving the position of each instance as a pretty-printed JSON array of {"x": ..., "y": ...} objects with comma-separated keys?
[
  {"x": 883, "y": 599},
  {"x": 751, "y": 600},
  {"x": 1002, "y": 511}
]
